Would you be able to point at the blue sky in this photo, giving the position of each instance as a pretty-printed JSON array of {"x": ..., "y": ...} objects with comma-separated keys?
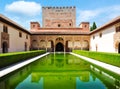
[{"x": 24, "y": 11}]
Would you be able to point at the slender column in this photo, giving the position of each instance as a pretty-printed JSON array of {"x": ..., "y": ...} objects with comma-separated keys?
[
  {"x": 38, "y": 43},
  {"x": 46, "y": 43},
  {"x": 64, "y": 44},
  {"x": 81, "y": 43},
  {"x": 73, "y": 44}
]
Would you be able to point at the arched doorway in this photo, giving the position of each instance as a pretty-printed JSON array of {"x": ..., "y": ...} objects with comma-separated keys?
[
  {"x": 4, "y": 47},
  {"x": 119, "y": 48},
  {"x": 85, "y": 45},
  {"x": 59, "y": 47}
]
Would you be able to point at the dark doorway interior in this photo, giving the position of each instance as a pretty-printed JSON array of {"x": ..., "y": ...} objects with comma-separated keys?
[
  {"x": 119, "y": 48},
  {"x": 52, "y": 46},
  {"x": 4, "y": 47},
  {"x": 25, "y": 46},
  {"x": 59, "y": 47}
]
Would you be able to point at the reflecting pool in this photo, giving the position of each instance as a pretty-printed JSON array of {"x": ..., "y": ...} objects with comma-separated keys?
[{"x": 59, "y": 71}]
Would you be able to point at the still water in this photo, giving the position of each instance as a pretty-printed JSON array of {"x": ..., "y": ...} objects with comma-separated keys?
[{"x": 57, "y": 71}]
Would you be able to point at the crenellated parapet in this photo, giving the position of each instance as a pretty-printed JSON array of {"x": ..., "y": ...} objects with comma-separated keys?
[{"x": 64, "y": 7}]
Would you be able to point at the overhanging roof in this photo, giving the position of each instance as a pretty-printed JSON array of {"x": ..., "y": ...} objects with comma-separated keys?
[
  {"x": 59, "y": 32},
  {"x": 110, "y": 23},
  {"x": 4, "y": 19}
]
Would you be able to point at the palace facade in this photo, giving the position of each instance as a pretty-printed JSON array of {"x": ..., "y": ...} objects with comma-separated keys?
[{"x": 59, "y": 33}]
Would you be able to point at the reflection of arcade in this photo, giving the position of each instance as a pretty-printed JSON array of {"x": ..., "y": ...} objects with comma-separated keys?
[
  {"x": 111, "y": 82},
  {"x": 65, "y": 80},
  {"x": 60, "y": 62},
  {"x": 14, "y": 80}
]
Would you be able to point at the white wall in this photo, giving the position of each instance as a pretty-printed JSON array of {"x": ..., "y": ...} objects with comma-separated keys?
[
  {"x": 104, "y": 43},
  {"x": 17, "y": 43}
]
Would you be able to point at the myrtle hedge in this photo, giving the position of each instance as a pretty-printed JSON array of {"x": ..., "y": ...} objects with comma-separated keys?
[
  {"x": 8, "y": 59},
  {"x": 110, "y": 58}
]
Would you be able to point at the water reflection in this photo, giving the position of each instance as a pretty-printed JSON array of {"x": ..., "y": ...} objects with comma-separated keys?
[{"x": 57, "y": 71}]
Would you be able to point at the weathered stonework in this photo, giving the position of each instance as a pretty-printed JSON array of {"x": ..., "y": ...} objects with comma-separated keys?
[
  {"x": 63, "y": 17},
  {"x": 74, "y": 41},
  {"x": 59, "y": 29}
]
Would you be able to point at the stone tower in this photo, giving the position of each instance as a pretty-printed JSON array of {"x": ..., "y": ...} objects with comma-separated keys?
[{"x": 59, "y": 17}]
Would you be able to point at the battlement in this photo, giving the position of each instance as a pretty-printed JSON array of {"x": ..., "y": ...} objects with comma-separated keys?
[{"x": 67, "y": 7}]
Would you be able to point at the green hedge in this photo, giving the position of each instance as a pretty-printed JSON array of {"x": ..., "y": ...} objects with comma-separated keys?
[
  {"x": 11, "y": 58},
  {"x": 110, "y": 58}
]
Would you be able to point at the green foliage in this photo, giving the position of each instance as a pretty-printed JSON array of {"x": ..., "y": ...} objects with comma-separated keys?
[
  {"x": 93, "y": 27},
  {"x": 110, "y": 58},
  {"x": 11, "y": 58}
]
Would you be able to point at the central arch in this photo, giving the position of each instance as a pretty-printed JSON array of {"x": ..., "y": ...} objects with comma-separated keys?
[{"x": 59, "y": 47}]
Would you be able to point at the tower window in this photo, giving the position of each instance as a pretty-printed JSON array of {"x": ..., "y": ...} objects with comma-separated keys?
[
  {"x": 33, "y": 26},
  {"x": 59, "y": 25},
  {"x": 69, "y": 24}
]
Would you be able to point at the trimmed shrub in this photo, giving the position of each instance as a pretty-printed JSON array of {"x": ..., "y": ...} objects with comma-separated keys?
[
  {"x": 11, "y": 58},
  {"x": 110, "y": 58}
]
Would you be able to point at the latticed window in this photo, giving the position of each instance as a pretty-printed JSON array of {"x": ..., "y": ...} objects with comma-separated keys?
[
  {"x": 20, "y": 34},
  {"x": 26, "y": 36},
  {"x": 100, "y": 34},
  {"x": 5, "y": 29}
]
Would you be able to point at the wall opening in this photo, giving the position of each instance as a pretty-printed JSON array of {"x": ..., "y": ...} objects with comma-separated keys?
[
  {"x": 59, "y": 47},
  {"x": 4, "y": 47},
  {"x": 25, "y": 46},
  {"x": 119, "y": 48}
]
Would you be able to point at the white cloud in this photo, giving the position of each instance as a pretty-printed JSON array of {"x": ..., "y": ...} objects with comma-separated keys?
[
  {"x": 24, "y": 7},
  {"x": 99, "y": 15},
  {"x": 88, "y": 14}
]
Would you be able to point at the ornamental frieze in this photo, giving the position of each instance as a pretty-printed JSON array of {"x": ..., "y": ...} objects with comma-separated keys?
[{"x": 4, "y": 38}]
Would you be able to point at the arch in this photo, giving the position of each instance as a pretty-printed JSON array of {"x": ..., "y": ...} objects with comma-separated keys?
[
  {"x": 34, "y": 45},
  {"x": 117, "y": 46},
  {"x": 59, "y": 47},
  {"x": 51, "y": 46},
  {"x": 77, "y": 44},
  {"x": 85, "y": 45},
  {"x": 59, "y": 39},
  {"x": 4, "y": 47},
  {"x": 42, "y": 44}
]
